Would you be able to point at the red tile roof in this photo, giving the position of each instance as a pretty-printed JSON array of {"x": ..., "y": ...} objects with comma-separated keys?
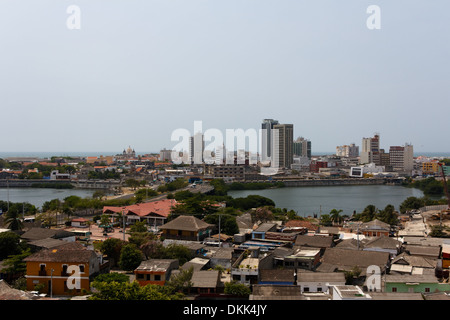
[
  {"x": 301, "y": 224},
  {"x": 161, "y": 208}
]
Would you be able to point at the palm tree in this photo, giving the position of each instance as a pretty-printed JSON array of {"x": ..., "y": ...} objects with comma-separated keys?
[
  {"x": 13, "y": 219},
  {"x": 336, "y": 216}
]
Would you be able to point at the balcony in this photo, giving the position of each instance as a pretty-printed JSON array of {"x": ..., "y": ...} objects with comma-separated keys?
[{"x": 42, "y": 273}]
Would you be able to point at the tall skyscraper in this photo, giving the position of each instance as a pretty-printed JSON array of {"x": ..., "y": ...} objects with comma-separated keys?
[
  {"x": 196, "y": 148},
  {"x": 285, "y": 133},
  {"x": 302, "y": 147},
  {"x": 267, "y": 138}
]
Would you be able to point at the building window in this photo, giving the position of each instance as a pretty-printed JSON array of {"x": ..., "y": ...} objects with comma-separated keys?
[
  {"x": 157, "y": 277},
  {"x": 139, "y": 276},
  {"x": 394, "y": 289},
  {"x": 306, "y": 289},
  {"x": 81, "y": 268},
  {"x": 319, "y": 289},
  {"x": 427, "y": 289}
]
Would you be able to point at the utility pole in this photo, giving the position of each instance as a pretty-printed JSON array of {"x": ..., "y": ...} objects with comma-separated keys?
[
  {"x": 357, "y": 237},
  {"x": 7, "y": 190},
  {"x": 123, "y": 221},
  {"x": 219, "y": 229},
  {"x": 51, "y": 283}
]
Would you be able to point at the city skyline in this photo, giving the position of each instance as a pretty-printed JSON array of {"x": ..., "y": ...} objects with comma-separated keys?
[{"x": 135, "y": 72}]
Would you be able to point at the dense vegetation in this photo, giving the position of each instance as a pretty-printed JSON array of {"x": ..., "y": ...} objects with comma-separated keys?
[{"x": 430, "y": 186}]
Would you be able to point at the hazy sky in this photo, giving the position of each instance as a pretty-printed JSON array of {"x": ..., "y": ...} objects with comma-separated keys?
[{"x": 137, "y": 70}]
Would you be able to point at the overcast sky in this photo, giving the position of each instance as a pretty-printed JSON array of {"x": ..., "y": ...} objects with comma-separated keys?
[{"x": 137, "y": 70}]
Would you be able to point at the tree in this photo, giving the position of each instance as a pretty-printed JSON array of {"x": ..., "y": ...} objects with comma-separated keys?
[
  {"x": 9, "y": 244},
  {"x": 132, "y": 183},
  {"x": 99, "y": 194},
  {"x": 335, "y": 216},
  {"x": 388, "y": 215},
  {"x": 236, "y": 288},
  {"x": 113, "y": 276},
  {"x": 355, "y": 272},
  {"x": 262, "y": 214},
  {"x": 325, "y": 220},
  {"x": 52, "y": 205},
  {"x": 177, "y": 251},
  {"x": 131, "y": 291},
  {"x": 228, "y": 224},
  {"x": 369, "y": 213},
  {"x": 14, "y": 264},
  {"x": 13, "y": 218},
  {"x": 112, "y": 247},
  {"x": 152, "y": 249},
  {"x": 411, "y": 203},
  {"x": 182, "y": 281},
  {"x": 139, "y": 226},
  {"x": 249, "y": 202},
  {"x": 130, "y": 257}
]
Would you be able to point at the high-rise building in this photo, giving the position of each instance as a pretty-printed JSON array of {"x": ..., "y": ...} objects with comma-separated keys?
[
  {"x": 402, "y": 158},
  {"x": 285, "y": 134},
  {"x": 196, "y": 148},
  {"x": 165, "y": 155},
  {"x": 267, "y": 138},
  {"x": 370, "y": 152},
  {"x": 302, "y": 147},
  {"x": 347, "y": 151}
]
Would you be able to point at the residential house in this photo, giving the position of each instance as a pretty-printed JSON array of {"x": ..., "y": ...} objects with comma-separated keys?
[
  {"x": 277, "y": 276},
  {"x": 403, "y": 296},
  {"x": 196, "y": 264},
  {"x": 155, "y": 271},
  {"x": 303, "y": 226},
  {"x": 186, "y": 228},
  {"x": 293, "y": 258},
  {"x": 346, "y": 292},
  {"x": 222, "y": 257},
  {"x": 424, "y": 283},
  {"x": 53, "y": 267},
  {"x": 246, "y": 268},
  {"x": 44, "y": 233},
  {"x": 430, "y": 252},
  {"x": 319, "y": 281},
  {"x": 346, "y": 260},
  {"x": 352, "y": 244},
  {"x": 405, "y": 263},
  {"x": 275, "y": 292},
  {"x": 319, "y": 242},
  {"x": 206, "y": 282},
  {"x": 262, "y": 229},
  {"x": 47, "y": 243},
  {"x": 384, "y": 244},
  {"x": 375, "y": 228},
  {"x": 196, "y": 248},
  {"x": 445, "y": 255}
]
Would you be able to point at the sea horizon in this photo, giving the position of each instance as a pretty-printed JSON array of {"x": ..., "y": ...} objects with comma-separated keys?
[{"x": 49, "y": 154}]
